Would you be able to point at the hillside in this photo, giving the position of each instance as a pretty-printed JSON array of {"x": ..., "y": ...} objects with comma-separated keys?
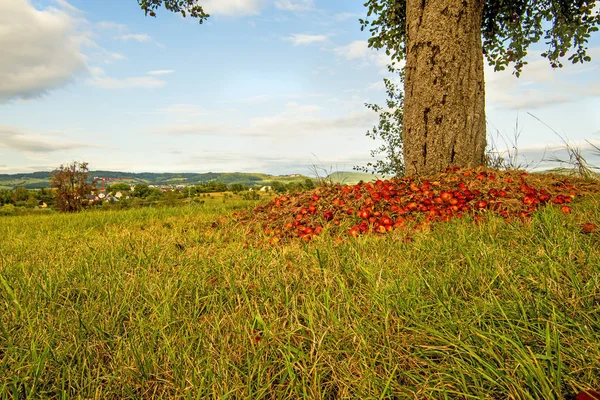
[{"x": 38, "y": 180}]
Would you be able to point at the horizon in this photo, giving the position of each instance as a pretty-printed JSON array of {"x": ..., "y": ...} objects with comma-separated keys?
[
  {"x": 271, "y": 86},
  {"x": 525, "y": 160}
]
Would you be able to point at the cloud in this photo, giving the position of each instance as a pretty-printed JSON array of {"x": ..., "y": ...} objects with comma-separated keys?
[
  {"x": 548, "y": 155},
  {"x": 377, "y": 86},
  {"x": 124, "y": 34},
  {"x": 302, "y": 39},
  {"x": 139, "y": 82},
  {"x": 111, "y": 57},
  {"x": 161, "y": 72},
  {"x": 273, "y": 163},
  {"x": 233, "y": 8},
  {"x": 111, "y": 26},
  {"x": 100, "y": 80},
  {"x": 359, "y": 49},
  {"x": 65, "y": 5},
  {"x": 295, "y": 121},
  {"x": 345, "y": 16},
  {"x": 540, "y": 85},
  {"x": 15, "y": 139},
  {"x": 187, "y": 110},
  {"x": 295, "y": 5},
  {"x": 139, "y": 37},
  {"x": 280, "y": 98},
  {"x": 359, "y": 52},
  {"x": 41, "y": 50}
]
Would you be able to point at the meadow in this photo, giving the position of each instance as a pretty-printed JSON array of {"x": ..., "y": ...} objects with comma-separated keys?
[{"x": 181, "y": 302}]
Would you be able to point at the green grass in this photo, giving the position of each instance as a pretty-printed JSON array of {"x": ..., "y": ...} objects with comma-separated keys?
[
  {"x": 159, "y": 303},
  {"x": 351, "y": 178}
]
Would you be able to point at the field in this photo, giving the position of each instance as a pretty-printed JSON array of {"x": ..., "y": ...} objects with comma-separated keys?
[
  {"x": 36, "y": 180},
  {"x": 182, "y": 303}
]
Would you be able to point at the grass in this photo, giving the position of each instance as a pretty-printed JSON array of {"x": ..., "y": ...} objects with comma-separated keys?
[
  {"x": 351, "y": 178},
  {"x": 179, "y": 303}
]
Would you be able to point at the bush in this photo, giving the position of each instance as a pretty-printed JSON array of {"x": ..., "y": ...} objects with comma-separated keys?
[
  {"x": 251, "y": 195},
  {"x": 8, "y": 209}
]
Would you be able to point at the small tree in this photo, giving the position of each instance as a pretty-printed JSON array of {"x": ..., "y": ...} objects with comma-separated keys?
[
  {"x": 309, "y": 184},
  {"x": 118, "y": 187},
  {"x": 388, "y": 130},
  {"x": 72, "y": 187},
  {"x": 141, "y": 190},
  {"x": 20, "y": 194},
  {"x": 278, "y": 187},
  {"x": 45, "y": 195},
  {"x": 238, "y": 187},
  {"x": 5, "y": 197}
]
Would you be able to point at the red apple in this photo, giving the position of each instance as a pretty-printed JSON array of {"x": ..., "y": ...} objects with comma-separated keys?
[{"x": 528, "y": 200}]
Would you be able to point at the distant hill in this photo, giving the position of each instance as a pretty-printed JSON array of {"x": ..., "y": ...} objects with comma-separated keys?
[
  {"x": 37, "y": 180},
  {"x": 352, "y": 178}
]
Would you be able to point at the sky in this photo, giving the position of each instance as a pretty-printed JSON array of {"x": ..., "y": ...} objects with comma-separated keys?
[{"x": 272, "y": 86}]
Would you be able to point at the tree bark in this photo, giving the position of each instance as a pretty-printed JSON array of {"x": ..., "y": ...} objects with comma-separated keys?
[{"x": 444, "y": 105}]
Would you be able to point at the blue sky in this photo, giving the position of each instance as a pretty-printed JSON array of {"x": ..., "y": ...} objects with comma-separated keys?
[{"x": 273, "y": 86}]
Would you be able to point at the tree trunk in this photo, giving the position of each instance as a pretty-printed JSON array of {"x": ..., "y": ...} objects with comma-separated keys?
[{"x": 444, "y": 105}]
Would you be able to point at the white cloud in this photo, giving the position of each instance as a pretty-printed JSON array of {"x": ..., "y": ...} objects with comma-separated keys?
[
  {"x": 139, "y": 37},
  {"x": 233, "y": 8},
  {"x": 161, "y": 72},
  {"x": 302, "y": 39},
  {"x": 294, "y": 121},
  {"x": 41, "y": 50},
  {"x": 377, "y": 86},
  {"x": 66, "y": 6},
  {"x": 140, "y": 82},
  {"x": 100, "y": 80},
  {"x": 15, "y": 139},
  {"x": 540, "y": 85},
  {"x": 359, "y": 52},
  {"x": 345, "y": 16},
  {"x": 111, "y": 26},
  {"x": 186, "y": 110},
  {"x": 295, "y": 5},
  {"x": 111, "y": 57},
  {"x": 278, "y": 98}
]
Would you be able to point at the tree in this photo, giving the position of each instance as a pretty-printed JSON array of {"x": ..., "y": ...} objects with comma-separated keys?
[
  {"x": 20, "y": 194},
  {"x": 278, "y": 187},
  {"x": 309, "y": 184},
  {"x": 72, "y": 187},
  {"x": 45, "y": 195},
  {"x": 238, "y": 187},
  {"x": 118, "y": 187},
  {"x": 444, "y": 43},
  {"x": 389, "y": 130},
  {"x": 141, "y": 190},
  {"x": 5, "y": 197},
  {"x": 184, "y": 7}
]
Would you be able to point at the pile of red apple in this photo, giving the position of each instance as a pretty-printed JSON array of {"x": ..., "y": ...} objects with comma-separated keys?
[{"x": 383, "y": 206}]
